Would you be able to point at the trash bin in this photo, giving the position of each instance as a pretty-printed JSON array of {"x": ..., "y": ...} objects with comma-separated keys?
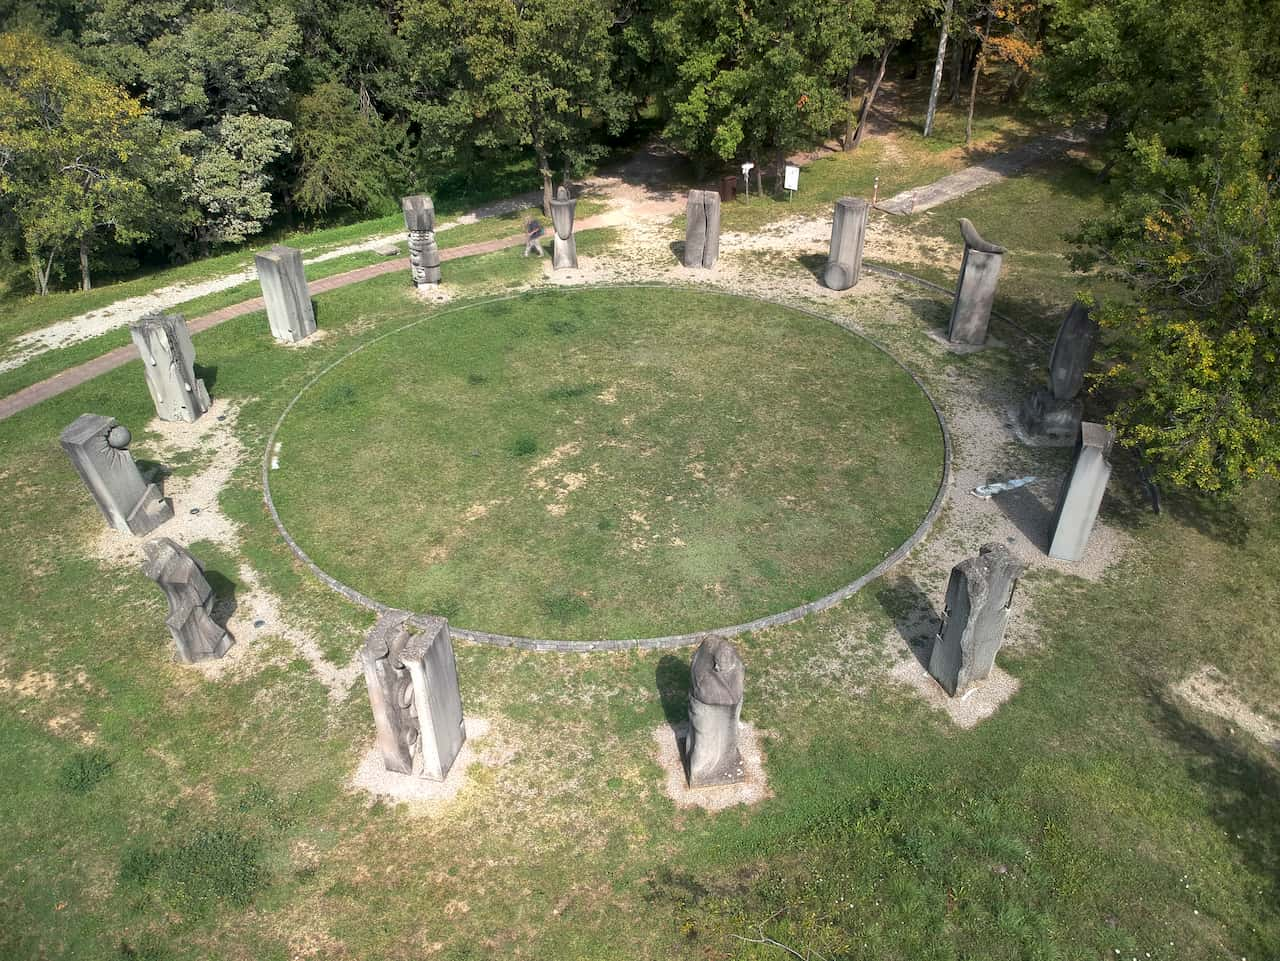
[{"x": 728, "y": 188}]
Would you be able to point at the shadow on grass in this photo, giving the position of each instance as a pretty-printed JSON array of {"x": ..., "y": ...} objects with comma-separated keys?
[
  {"x": 814, "y": 263},
  {"x": 913, "y": 615},
  {"x": 208, "y": 374},
  {"x": 671, "y": 677},
  {"x": 224, "y": 597}
]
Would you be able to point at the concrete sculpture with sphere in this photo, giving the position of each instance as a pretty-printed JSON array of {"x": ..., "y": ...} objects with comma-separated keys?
[{"x": 98, "y": 447}]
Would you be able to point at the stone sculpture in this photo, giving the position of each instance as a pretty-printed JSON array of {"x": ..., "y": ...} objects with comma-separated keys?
[
  {"x": 979, "y": 595},
  {"x": 564, "y": 246},
  {"x": 979, "y": 273},
  {"x": 1081, "y": 494},
  {"x": 284, "y": 288},
  {"x": 715, "y": 705},
  {"x": 99, "y": 449},
  {"x": 198, "y": 636},
  {"x": 848, "y": 229},
  {"x": 420, "y": 221},
  {"x": 702, "y": 229},
  {"x": 413, "y": 688},
  {"x": 1055, "y": 412},
  {"x": 168, "y": 358}
]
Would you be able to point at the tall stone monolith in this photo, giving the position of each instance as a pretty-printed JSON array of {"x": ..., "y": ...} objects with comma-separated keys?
[
  {"x": 284, "y": 288},
  {"x": 99, "y": 449},
  {"x": 1054, "y": 412},
  {"x": 976, "y": 289},
  {"x": 197, "y": 635},
  {"x": 424, "y": 257},
  {"x": 1081, "y": 496},
  {"x": 702, "y": 229},
  {"x": 715, "y": 706},
  {"x": 979, "y": 596},
  {"x": 564, "y": 246},
  {"x": 412, "y": 678},
  {"x": 168, "y": 359},
  {"x": 848, "y": 230}
]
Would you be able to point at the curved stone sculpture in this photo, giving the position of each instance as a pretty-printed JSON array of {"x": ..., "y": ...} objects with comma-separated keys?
[
  {"x": 1081, "y": 496},
  {"x": 284, "y": 290},
  {"x": 715, "y": 705},
  {"x": 190, "y": 620},
  {"x": 420, "y": 222},
  {"x": 979, "y": 274},
  {"x": 702, "y": 229},
  {"x": 1055, "y": 412},
  {"x": 979, "y": 596},
  {"x": 564, "y": 246},
  {"x": 168, "y": 359},
  {"x": 99, "y": 449},
  {"x": 848, "y": 230}
]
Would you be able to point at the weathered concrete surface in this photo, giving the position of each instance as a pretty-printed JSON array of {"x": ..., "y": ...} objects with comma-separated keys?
[
  {"x": 424, "y": 256},
  {"x": 412, "y": 679},
  {"x": 715, "y": 706},
  {"x": 284, "y": 290},
  {"x": 564, "y": 246},
  {"x": 976, "y": 289},
  {"x": 98, "y": 447},
  {"x": 979, "y": 595},
  {"x": 702, "y": 229},
  {"x": 848, "y": 231},
  {"x": 1081, "y": 496},
  {"x": 1052, "y": 414},
  {"x": 168, "y": 358},
  {"x": 190, "y": 621}
]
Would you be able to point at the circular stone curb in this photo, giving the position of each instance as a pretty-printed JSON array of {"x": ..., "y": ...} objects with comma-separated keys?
[{"x": 639, "y": 643}]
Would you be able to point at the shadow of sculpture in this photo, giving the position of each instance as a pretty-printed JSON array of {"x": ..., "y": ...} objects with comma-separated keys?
[
  {"x": 671, "y": 677},
  {"x": 1030, "y": 510},
  {"x": 224, "y": 597},
  {"x": 914, "y": 617}
]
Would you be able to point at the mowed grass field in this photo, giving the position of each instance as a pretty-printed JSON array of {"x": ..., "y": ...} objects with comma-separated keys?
[{"x": 611, "y": 463}]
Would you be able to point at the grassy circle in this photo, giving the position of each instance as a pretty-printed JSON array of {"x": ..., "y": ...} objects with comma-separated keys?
[{"x": 607, "y": 463}]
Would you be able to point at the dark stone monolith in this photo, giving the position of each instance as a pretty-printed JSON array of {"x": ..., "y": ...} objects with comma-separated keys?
[
  {"x": 976, "y": 289},
  {"x": 1081, "y": 494},
  {"x": 99, "y": 449},
  {"x": 564, "y": 246},
  {"x": 284, "y": 289},
  {"x": 702, "y": 229},
  {"x": 848, "y": 229},
  {"x": 198, "y": 636},
  {"x": 424, "y": 257},
  {"x": 168, "y": 359},
  {"x": 715, "y": 706},
  {"x": 1054, "y": 412},
  {"x": 412, "y": 678},
  {"x": 979, "y": 595}
]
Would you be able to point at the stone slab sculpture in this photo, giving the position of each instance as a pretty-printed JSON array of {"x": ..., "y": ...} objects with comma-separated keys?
[
  {"x": 976, "y": 289},
  {"x": 1054, "y": 412},
  {"x": 848, "y": 230},
  {"x": 564, "y": 246},
  {"x": 99, "y": 450},
  {"x": 1081, "y": 494},
  {"x": 702, "y": 229},
  {"x": 284, "y": 288},
  {"x": 413, "y": 688},
  {"x": 715, "y": 706},
  {"x": 168, "y": 358},
  {"x": 197, "y": 635},
  {"x": 979, "y": 595},
  {"x": 424, "y": 257}
]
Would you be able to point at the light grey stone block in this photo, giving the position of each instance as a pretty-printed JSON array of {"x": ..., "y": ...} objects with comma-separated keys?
[
  {"x": 979, "y": 596},
  {"x": 848, "y": 230},
  {"x": 99, "y": 449},
  {"x": 412, "y": 679},
  {"x": 1081, "y": 494},
  {"x": 715, "y": 707},
  {"x": 1054, "y": 412},
  {"x": 424, "y": 256},
  {"x": 564, "y": 246},
  {"x": 168, "y": 359},
  {"x": 197, "y": 635},
  {"x": 284, "y": 288},
  {"x": 976, "y": 289},
  {"x": 702, "y": 229}
]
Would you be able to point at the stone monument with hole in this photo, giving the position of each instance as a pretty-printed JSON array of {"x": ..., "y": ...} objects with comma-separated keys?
[
  {"x": 848, "y": 230},
  {"x": 711, "y": 752},
  {"x": 424, "y": 257},
  {"x": 1053, "y": 414},
  {"x": 564, "y": 246},
  {"x": 702, "y": 229},
  {"x": 979, "y": 595},
  {"x": 1081, "y": 496},
  {"x": 98, "y": 447},
  {"x": 284, "y": 289},
  {"x": 413, "y": 689},
  {"x": 168, "y": 359},
  {"x": 197, "y": 635},
  {"x": 976, "y": 289}
]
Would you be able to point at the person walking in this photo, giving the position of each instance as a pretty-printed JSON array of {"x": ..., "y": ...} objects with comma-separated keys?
[{"x": 532, "y": 232}]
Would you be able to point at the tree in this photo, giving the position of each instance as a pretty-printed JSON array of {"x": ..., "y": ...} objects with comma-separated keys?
[
  {"x": 344, "y": 155},
  {"x": 944, "y": 26},
  {"x": 231, "y": 184},
  {"x": 890, "y": 22},
  {"x": 77, "y": 157}
]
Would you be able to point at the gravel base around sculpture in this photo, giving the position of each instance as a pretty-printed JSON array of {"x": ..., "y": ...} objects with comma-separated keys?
[
  {"x": 752, "y": 789},
  {"x": 373, "y": 777},
  {"x": 969, "y": 709}
]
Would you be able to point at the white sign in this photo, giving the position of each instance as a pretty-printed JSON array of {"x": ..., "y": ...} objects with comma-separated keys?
[{"x": 791, "y": 177}]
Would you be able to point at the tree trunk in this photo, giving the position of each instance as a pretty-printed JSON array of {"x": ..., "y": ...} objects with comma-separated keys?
[
  {"x": 869, "y": 98},
  {"x": 977, "y": 72},
  {"x": 957, "y": 68},
  {"x": 847, "y": 140},
  {"x": 85, "y": 283},
  {"x": 782, "y": 173},
  {"x": 937, "y": 68},
  {"x": 544, "y": 166},
  {"x": 42, "y": 274}
]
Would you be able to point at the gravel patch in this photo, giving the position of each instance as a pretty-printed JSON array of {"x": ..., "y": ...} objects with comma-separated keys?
[
  {"x": 753, "y": 790},
  {"x": 425, "y": 797}
]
